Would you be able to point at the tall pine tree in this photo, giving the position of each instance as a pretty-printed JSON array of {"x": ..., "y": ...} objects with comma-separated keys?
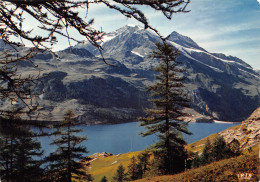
[
  {"x": 143, "y": 165},
  {"x": 64, "y": 162},
  {"x": 133, "y": 169},
  {"x": 165, "y": 119},
  {"x": 120, "y": 174},
  {"x": 20, "y": 153},
  {"x": 206, "y": 156}
]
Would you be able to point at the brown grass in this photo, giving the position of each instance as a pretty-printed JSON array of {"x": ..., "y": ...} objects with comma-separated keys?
[{"x": 224, "y": 170}]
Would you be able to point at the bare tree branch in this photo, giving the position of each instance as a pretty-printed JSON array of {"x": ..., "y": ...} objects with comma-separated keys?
[
  {"x": 57, "y": 16},
  {"x": 54, "y": 19},
  {"x": 14, "y": 87}
]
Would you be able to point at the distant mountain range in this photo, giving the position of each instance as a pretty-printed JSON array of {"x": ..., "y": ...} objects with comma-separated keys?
[{"x": 222, "y": 87}]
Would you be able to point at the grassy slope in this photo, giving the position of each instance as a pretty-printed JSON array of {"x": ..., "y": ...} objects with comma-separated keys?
[
  {"x": 107, "y": 166},
  {"x": 199, "y": 145},
  {"x": 224, "y": 170}
]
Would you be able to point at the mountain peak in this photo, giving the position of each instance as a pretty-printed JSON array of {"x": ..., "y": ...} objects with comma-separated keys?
[
  {"x": 129, "y": 27},
  {"x": 134, "y": 26},
  {"x": 183, "y": 40},
  {"x": 174, "y": 33}
]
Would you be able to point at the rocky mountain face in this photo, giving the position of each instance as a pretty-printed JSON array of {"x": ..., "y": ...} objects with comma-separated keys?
[
  {"x": 222, "y": 87},
  {"x": 248, "y": 134},
  {"x": 218, "y": 85}
]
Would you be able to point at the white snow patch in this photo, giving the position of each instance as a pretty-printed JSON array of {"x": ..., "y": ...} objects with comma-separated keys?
[
  {"x": 108, "y": 37},
  {"x": 224, "y": 60},
  {"x": 65, "y": 60},
  {"x": 190, "y": 50},
  {"x": 177, "y": 45},
  {"x": 131, "y": 25},
  {"x": 227, "y": 61},
  {"x": 138, "y": 26},
  {"x": 41, "y": 96},
  {"x": 183, "y": 49},
  {"x": 249, "y": 73},
  {"x": 214, "y": 68},
  {"x": 136, "y": 53},
  {"x": 152, "y": 32}
]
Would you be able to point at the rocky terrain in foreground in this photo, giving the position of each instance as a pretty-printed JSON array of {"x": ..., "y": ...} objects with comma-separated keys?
[{"x": 248, "y": 134}]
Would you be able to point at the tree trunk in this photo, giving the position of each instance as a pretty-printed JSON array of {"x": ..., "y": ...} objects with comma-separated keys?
[
  {"x": 167, "y": 130},
  {"x": 69, "y": 159}
]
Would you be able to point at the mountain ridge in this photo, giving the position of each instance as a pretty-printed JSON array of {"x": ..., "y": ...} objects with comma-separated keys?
[
  {"x": 218, "y": 85},
  {"x": 228, "y": 65}
]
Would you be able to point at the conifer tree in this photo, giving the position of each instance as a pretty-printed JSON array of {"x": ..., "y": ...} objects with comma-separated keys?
[
  {"x": 235, "y": 147},
  {"x": 196, "y": 161},
  {"x": 65, "y": 162},
  {"x": 120, "y": 174},
  {"x": 165, "y": 119},
  {"x": 143, "y": 164},
  {"x": 132, "y": 169},
  {"x": 6, "y": 158},
  {"x": 220, "y": 149},
  {"x": 20, "y": 156},
  {"x": 20, "y": 152},
  {"x": 206, "y": 156},
  {"x": 104, "y": 179},
  {"x": 27, "y": 166}
]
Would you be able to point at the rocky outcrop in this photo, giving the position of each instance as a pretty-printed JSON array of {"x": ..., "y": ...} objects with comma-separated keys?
[
  {"x": 248, "y": 134},
  {"x": 97, "y": 156}
]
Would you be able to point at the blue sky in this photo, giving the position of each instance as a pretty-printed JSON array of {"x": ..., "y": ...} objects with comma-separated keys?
[{"x": 231, "y": 27}]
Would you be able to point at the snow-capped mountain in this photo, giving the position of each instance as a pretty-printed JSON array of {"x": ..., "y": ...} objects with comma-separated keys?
[
  {"x": 220, "y": 86},
  {"x": 183, "y": 41},
  {"x": 132, "y": 45}
]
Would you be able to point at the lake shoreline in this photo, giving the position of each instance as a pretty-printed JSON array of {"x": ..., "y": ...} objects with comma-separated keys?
[
  {"x": 43, "y": 122},
  {"x": 226, "y": 122}
]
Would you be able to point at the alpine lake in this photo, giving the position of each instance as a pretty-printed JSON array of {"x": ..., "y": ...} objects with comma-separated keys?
[{"x": 123, "y": 138}]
